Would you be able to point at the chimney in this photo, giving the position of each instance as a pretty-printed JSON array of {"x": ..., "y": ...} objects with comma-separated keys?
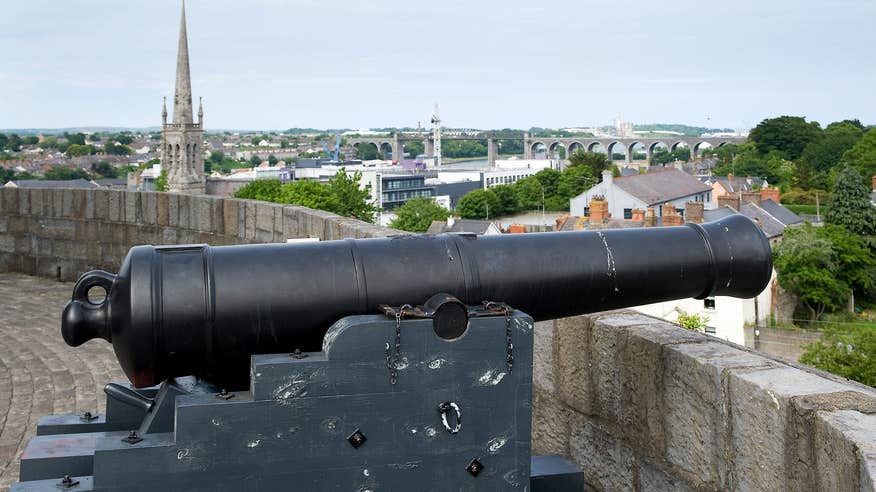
[
  {"x": 770, "y": 194},
  {"x": 693, "y": 212},
  {"x": 607, "y": 177},
  {"x": 670, "y": 216},
  {"x": 729, "y": 201},
  {"x": 598, "y": 210},
  {"x": 650, "y": 218},
  {"x": 638, "y": 215},
  {"x": 752, "y": 197}
]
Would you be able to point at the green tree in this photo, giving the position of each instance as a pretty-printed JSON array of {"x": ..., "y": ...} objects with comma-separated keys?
[
  {"x": 161, "y": 181},
  {"x": 787, "y": 134},
  {"x": 77, "y": 150},
  {"x": 65, "y": 174},
  {"x": 49, "y": 143},
  {"x": 112, "y": 148},
  {"x": 30, "y": 140},
  {"x": 13, "y": 143},
  {"x": 821, "y": 156},
  {"x": 850, "y": 206},
  {"x": 862, "y": 156},
  {"x": 529, "y": 192},
  {"x": 850, "y": 353},
  {"x": 417, "y": 214},
  {"x": 77, "y": 139},
  {"x": 856, "y": 263},
  {"x": 104, "y": 169},
  {"x": 255, "y": 140},
  {"x": 594, "y": 160},
  {"x": 367, "y": 152},
  {"x": 415, "y": 148},
  {"x": 508, "y": 200},
  {"x": 807, "y": 266},
  {"x": 311, "y": 194},
  {"x": 478, "y": 204},
  {"x": 272, "y": 160},
  {"x": 352, "y": 200},
  {"x": 573, "y": 181},
  {"x": 255, "y": 160},
  {"x": 261, "y": 189}
]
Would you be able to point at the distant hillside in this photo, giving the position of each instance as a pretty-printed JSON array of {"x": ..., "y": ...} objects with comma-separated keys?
[{"x": 688, "y": 131}]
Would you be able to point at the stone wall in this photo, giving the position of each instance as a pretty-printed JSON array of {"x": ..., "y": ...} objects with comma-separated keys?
[
  {"x": 787, "y": 344},
  {"x": 642, "y": 405},
  {"x": 61, "y": 233}
]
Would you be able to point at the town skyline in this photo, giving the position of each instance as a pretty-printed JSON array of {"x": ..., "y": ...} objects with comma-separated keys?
[{"x": 516, "y": 78}]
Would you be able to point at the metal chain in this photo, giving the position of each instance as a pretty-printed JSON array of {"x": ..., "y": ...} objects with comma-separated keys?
[
  {"x": 510, "y": 346},
  {"x": 393, "y": 360}
]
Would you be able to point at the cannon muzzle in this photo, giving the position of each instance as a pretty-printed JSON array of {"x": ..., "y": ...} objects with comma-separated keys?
[{"x": 181, "y": 310}]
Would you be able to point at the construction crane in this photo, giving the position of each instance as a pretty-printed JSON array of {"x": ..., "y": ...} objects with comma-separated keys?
[
  {"x": 334, "y": 156},
  {"x": 436, "y": 134}
]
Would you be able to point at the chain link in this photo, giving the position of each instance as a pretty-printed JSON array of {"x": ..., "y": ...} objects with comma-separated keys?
[
  {"x": 394, "y": 359},
  {"x": 509, "y": 345}
]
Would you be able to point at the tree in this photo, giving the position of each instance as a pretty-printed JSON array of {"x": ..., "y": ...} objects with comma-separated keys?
[
  {"x": 112, "y": 148},
  {"x": 595, "y": 161},
  {"x": 65, "y": 174},
  {"x": 352, "y": 200},
  {"x": 272, "y": 160},
  {"x": 856, "y": 264},
  {"x": 13, "y": 143},
  {"x": 862, "y": 156},
  {"x": 787, "y": 134},
  {"x": 77, "y": 139},
  {"x": 49, "y": 143},
  {"x": 30, "y": 140},
  {"x": 255, "y": 141},
  {"x": 822, "y": 155},
  {"x": 311, "y": 194},
  {"x": 807, "y": 266},
  {"x": 255, "y": 160},
  {"x": 417, "y": 214},
  {"x": 574, "y": 181},
  {"x": 850, "y": 206},
  {"x": 260, "y": 189},
  {"x": 367, "y": 152},
  {"x": 508, "y": 201},
  {"x": 478, "y": 204},
  {"x": 77, "y": 150},
  {"x": 850, "y": 353},
  {"x": 161, "y": 181},
  {"x": 104, "y": 169}
]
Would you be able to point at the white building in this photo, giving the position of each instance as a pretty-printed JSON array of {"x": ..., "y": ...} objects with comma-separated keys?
[
  {"x": 643, "y": 191},
  {"x": 727, "y": 316}
]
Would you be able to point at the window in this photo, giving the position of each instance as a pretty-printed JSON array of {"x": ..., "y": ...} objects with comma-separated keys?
[
  {"x": 586, "y": 211},
  {"x": 628, "y": 213},
  {"x": 680, "y": 211},
  {"x": 709, "y": 303}
]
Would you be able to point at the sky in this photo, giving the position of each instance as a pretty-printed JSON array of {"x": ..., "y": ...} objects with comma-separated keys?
[{"x": 275, "y": 64}]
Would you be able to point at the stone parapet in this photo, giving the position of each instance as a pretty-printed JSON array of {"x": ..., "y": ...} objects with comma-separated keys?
[
  {"x": 642, "y": 404},
  {"x": 61, "y": 233}
]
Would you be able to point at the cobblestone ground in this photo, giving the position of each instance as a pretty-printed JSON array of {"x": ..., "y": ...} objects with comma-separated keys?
[{"x": 39, "y": 374}]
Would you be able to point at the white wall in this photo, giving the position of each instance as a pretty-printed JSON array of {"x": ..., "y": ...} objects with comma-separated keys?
[{"x": 728, "y": 318}]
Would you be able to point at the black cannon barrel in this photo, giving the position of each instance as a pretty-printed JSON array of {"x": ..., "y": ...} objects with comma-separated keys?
[{"x": 202, "y": 310}]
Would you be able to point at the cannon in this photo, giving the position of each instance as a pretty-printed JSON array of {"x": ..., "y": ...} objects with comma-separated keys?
[{"x": 349, "y": 364}]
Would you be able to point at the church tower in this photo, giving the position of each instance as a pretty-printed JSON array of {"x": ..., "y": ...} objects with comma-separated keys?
[{"x": 182, "y": 150}]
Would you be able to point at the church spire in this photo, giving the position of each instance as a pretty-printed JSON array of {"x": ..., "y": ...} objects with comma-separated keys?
[{"x": 182, "y": 102}]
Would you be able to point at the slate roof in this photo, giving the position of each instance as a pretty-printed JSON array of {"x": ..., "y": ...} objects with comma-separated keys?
[
  {"x": 772, "y": 217},
  {"x": 737, "y": 183},
  {"x": 40, "y": 183},
  {"x": 662, "y": 186},
  {"x": 781, "y": 213}
]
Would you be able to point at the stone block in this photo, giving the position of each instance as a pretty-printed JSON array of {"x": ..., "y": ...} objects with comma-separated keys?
[
  {"x": 148, "y": 208},
  {"x": 169, "y": 235},
  {"x": 608, "y": 463},
  {"x": 544, "y": 358},
  {"x": 162, "y": 209},
  {"x": 24, "y": 202},
  {"x": 845, "y": 450},
  {"x": 185, "y": 213},
  {"x": 101, "y": 204},
  {"x": 18, "y": 225},
  {"x": 55, "y": 196},
  {"x": 574, "y": 363},
  {"x": 43, "y": 247},
  {"x": 172, "y": 209},
  {"x": 78, "y": 205},
  {"x": 9, "y": 198},
  {"x": 203, "y": 208},
  {"x": 249, "y": 225},
  {"x": 7, "y": 243},
  {"x": 652, "y": 477},
  {"x": 231, "y": 217},
  {"x": 67, "y": 206},
  {"x": 132, "y": 207},
  {"x": 55, "y": 228},
  {"x": 696, "y": 412},
  {"x": 763, "y": 440},
  {"x": 279, "y": 232},
  {"x": 264, "y": 220},
  {"x": 290, "y": 223},
  {"x": 115, "y": 206},
  {"x": 551, "y": 424},
  {"x": 37, "y": 202}
]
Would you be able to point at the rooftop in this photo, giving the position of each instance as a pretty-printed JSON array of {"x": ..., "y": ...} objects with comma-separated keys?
[{"x": 658, "y": 187}]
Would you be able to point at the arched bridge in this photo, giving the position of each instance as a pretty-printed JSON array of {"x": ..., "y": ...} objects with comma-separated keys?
[{"x": 551, "y": 145}]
